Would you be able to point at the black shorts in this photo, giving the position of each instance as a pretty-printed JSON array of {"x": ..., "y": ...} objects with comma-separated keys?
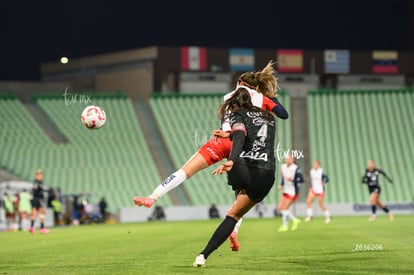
[
  {"x": 374, "y": 189},
  {"x": 256, "y": 181},
  {"x": 38, "y": 203}
]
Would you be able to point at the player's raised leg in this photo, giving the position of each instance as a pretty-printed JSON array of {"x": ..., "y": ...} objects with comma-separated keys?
[{"x": 194, "y": 164}]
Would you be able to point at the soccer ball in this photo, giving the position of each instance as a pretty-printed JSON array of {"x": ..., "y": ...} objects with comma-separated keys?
[{"x": 93, "y": 117}]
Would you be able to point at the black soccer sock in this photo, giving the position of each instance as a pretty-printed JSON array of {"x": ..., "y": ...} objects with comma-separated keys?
[
  {"x": 374, "y": 209},
  {"x": 32, "y": 223},
  {"x": 222, "y": 232},
  {"x": 386, "y": 210},
  {"x": 42, "y": 225}
]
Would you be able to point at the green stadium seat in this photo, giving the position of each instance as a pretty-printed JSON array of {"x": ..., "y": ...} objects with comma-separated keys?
[
  {"x": 114, "y": 161},
  {"x": 347, "y": 128}
]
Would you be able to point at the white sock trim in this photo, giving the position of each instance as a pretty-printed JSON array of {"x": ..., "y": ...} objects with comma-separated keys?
[
  {"x": 309, "y": 212},
  {"x": 285, "y": 218},
  {"x": 238, "y": 224}
]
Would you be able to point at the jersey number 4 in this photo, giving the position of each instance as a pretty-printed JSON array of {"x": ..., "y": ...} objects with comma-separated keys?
[{"x": 262, "y": 133}]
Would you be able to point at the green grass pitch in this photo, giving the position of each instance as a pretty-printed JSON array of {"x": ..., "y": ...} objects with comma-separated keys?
[{"x": 348, "y": 245}]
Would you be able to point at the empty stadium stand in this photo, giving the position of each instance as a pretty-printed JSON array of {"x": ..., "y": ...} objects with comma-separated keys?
[
  {"x": 114, "y": 161},
  {"x": 346, "y": 128},
  {"x": 349, "y": 127}
]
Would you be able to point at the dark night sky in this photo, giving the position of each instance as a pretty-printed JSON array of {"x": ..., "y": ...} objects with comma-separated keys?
[{"x": 41, "y": 31}]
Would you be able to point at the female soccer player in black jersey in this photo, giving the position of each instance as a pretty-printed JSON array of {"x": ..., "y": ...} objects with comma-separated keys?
[
  {"x": 250, "y": 166},
  {"x": 371, "y": 179}
]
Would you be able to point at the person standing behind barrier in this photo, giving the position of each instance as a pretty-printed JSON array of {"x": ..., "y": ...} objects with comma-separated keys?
[
  {"x": 9, "y": 207},
  {"x": 57, "y": 209},
  {"x": 260, "y": 209},
  {"x": 76, "y": 210},
  {"x": 25, "y": 208},
  {"x": 213, "y": 212},
  {"x": 102, "y": 209},
  {"x": 51, "y": 195},
  {"x": 38, "y": 204}
]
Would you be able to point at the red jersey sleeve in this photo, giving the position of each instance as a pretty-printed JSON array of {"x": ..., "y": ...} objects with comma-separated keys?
[{"x": 268, "y": 104}]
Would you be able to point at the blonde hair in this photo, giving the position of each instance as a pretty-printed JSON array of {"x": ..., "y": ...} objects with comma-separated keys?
[
  {"x": 266, "y": 79},
  {"x": 263, "y": 81}
]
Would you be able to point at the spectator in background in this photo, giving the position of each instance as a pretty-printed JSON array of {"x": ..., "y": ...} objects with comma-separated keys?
[
  {"x": 59, "y": 194},
  {"x": 51, "y": 195},
  {"x": 260, "y": 208},
  {"x": 276, "y": 213},
  {"x": 57, "y": 209},
  {"x": 25, "y": 209},
  {"x": 76, "y": 212},
  {"x": 102, "y": 208},
  {"x": 9, "y": 207},
  {"x": 213, "y": 212},
  {"x": 16, "y": 211},
  {"x": 157, "y": 214}
]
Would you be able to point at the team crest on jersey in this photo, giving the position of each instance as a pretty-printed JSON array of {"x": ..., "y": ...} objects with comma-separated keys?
[{"x": 238, "y": 126}]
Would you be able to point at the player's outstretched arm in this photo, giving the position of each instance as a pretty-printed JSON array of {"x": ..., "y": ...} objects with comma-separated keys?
[
  {"x": 223, "y": 168},
  {"x": 299, "y": 176},
  {"x": 325, "y": 178},
  {"x": 221, "y": 134},
  {"x": 237, "y": 146},
  {"x": 279, "y": 110},
  {"x": 385, "y": 175},
  {"x": 365, "y": 178}
]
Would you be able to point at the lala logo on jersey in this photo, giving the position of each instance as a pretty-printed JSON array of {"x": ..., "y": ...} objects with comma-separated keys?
[{"x": 254, "y": 155}]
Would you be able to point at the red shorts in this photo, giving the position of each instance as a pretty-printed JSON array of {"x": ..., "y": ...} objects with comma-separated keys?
[
  {"x": 216, "y": 149},
  {"x": 319, "y": 195},
  {"x": 290, "y": 197}
]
